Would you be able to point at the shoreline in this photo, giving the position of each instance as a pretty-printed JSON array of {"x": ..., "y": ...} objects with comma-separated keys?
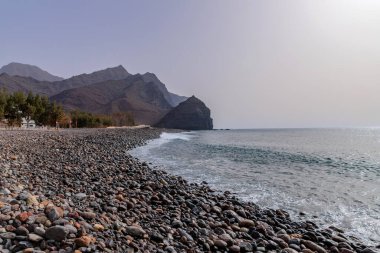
[{"x": 81, "y": 190}]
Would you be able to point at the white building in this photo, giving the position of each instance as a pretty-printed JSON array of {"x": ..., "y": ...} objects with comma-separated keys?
[{"x": 26, "y": 124}]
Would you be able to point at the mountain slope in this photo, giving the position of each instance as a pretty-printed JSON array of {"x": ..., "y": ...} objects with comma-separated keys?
[
  {"x": 143, "y": 99},
  {"x": 26, "y": 70},
  {"x": 115, "y": 73},
  {"x": 25, "y": 84},
  {"x": 172, "y": 98}
]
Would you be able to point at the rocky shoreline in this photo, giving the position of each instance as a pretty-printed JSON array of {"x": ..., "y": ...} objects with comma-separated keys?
[{"x": 80, "y": 191}]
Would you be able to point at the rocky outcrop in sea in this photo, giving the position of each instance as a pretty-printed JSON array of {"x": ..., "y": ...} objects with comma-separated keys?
[
  {"x": 80, "y": 191},
  {"x": 191, "y": 114}
]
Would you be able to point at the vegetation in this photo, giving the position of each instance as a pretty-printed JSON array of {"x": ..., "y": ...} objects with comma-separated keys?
[
  {"x": 14, "y": 107},
  {"x": 85, "y": 119}
]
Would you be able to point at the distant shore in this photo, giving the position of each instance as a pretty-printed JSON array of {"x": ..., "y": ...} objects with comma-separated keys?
[{"x": 80, "y": 191}]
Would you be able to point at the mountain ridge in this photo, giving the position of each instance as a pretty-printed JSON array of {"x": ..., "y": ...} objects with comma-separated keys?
[{"x": 27, "y": 70}]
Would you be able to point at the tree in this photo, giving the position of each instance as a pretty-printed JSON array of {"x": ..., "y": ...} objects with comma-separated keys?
[
  {"x": 55, "y": 114},
  {"x": 3, "y": 102},
  {"x": 44, "y": 114},
  {"x": 28, "y": 108},
  {"x": 12, "y": 111}
]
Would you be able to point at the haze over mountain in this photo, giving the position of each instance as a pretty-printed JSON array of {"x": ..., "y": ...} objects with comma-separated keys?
[
  {"x": 26, "y": 70},
  {"x": 109, "y": 91}
]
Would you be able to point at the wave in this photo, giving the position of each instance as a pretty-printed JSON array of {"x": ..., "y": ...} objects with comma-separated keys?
[{"x": 164, "y": 139}]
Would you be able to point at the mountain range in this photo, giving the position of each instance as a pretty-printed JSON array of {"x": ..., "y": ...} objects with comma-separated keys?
[{"x": 105, "y": 91}]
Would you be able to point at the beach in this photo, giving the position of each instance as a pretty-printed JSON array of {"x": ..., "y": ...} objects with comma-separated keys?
[{"x": 81, "y": 191}]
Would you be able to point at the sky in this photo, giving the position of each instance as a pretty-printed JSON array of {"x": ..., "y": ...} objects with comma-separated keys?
[{"x": 256, "y": 64}]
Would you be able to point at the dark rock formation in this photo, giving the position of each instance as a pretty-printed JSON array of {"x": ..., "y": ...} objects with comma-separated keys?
[
  {"x": 191, "y": 114},
  {"x": 26, "y": 70}
]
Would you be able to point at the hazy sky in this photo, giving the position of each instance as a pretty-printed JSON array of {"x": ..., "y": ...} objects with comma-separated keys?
[{"x": 255, "y": 63}]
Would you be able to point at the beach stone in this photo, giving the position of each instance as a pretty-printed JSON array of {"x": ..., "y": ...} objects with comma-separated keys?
[
  {"x": 177, "y": 224},
  {"x": 220, "y": 244},
  {"x": 54, "y": 213},
  {"x": 313, "y": 246},
  {"x": 31, "y": 200},
  {"x": 227, "y": 238},
  {"x": 98, "y": 227},
  {"x": 39, "y": 231},
  {"x": 42, "y": 219},
  {"x": 345, "y": 250},
  {"x": 5, "y": 217},
  {"x": 284, "y": 237},
  {"x": 135, "y": 231},
  {"x": 295, "y": 247},
  {"x": 23, "y": 217},
  {"x": 246, "y": 247},
  {"x": 185, "y": 234},
  {"x": 156, "y": 237},
  {"x": 34, "y": 238},
  {"x": 338, "y": 238},
  {"x": 88, "y": 215},
  {"x": 83, "y": 241},
  {"x": 5, "y": 191},
  {"x": 71, "y": 229},
  {"x": 246, "y": 223},
  {"x": 7, "y": 235},
  {"x": 80, "y": 196},
  {"x": 289, "y": 250},
  {"x": 56, "y": 233},
  {"x": 234, "y": 248},
  {"x": 21, "y": 231}
]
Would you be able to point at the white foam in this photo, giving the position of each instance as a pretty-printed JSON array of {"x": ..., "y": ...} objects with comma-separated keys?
[
  {"x": 186, "y": 136},
  {"x": 165, "y": 137}
]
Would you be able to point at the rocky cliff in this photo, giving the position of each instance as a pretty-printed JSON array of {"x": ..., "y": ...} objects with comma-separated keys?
[{"x": 191, "y": 114}]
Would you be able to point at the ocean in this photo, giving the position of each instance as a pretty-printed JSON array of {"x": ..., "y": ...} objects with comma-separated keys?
[{"x": 332, "y": 176}]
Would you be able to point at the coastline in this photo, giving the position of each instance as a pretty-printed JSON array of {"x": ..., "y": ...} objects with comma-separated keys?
[{"x": 80, "y": 189}]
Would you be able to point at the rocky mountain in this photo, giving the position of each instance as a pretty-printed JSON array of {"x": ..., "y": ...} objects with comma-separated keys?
[
  {"x": 115, "y": 90},
  {"x": 143, "y": 99},
  {"x": 191, "y": 114},
  {"x": 26, "y": 70},
  {"x": 172, "y": 98},
  {"x": 115, "y": 73}
]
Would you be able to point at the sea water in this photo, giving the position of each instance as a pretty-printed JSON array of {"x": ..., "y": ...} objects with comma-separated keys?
[{"x": 331, "y": 175}]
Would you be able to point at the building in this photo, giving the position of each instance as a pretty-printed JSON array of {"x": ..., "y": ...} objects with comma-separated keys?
[{"x": 26, "y": 124}]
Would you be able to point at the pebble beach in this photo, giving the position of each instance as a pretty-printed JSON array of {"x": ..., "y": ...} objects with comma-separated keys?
[{"x": 80, "y": 191}]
